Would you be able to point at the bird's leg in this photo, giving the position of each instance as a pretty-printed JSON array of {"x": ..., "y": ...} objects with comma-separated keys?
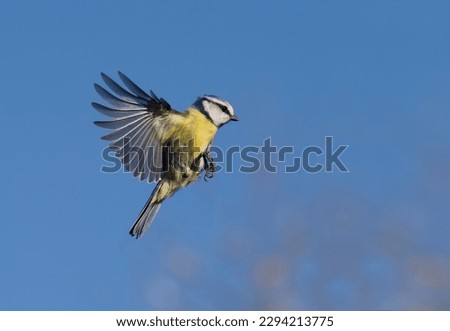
[{"x": 209, "y": 167}]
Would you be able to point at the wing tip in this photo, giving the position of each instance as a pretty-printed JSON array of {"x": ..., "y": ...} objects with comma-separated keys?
[
  {"x": 98, "y": 88},
  {"x": 103, "y": 124},
  {"x": 105, "y": 77},
  {"x": 122, "y": 75}
]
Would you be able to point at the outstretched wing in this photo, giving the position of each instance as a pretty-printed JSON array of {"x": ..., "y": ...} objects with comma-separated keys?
[{"x": 138, "y": 123}]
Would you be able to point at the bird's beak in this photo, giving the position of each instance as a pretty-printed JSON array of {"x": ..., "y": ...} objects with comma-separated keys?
[{"x": 234, "y": 118}]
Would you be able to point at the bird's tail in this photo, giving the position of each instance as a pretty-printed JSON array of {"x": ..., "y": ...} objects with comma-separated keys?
[{"x": 148, "y": 213}]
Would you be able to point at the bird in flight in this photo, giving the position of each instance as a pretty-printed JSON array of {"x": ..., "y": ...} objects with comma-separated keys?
[{"x": 157, "y": 143}]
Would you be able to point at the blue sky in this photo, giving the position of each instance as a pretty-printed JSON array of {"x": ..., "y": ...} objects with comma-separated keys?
[{"x": 375, "y": 76}]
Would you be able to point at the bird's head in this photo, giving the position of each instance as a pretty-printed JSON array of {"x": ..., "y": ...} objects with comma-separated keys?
[{"x": 216, "y": 109}]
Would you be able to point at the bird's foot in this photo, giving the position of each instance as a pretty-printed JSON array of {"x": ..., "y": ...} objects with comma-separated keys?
[{"x": 209, "y": 167}]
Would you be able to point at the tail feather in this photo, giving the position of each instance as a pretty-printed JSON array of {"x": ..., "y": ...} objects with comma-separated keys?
[{"x": 147, "y": 214}]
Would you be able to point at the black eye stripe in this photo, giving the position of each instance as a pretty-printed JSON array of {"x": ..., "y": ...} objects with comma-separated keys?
[
  {"x": 221, "y": 106},
  {"x": 224, "y": 109}
]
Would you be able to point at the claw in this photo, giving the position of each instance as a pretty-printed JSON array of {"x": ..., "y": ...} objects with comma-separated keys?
[{"x": 209, "y": 167}]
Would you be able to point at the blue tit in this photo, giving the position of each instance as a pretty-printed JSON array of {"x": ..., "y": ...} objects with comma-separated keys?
[{"x": 157, "y": 143}]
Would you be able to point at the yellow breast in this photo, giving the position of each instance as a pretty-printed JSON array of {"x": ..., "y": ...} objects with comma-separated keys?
[
  {"x": 195, "y": 128},
  {"x": 204, "y": 130}
]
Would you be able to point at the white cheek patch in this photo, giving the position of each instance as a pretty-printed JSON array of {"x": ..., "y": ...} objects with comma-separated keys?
[
  {"x": 218, "y": 116},
  {"x": 213, "y": 106}
]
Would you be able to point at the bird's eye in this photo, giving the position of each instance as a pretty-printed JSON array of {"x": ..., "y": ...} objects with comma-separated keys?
[{"x": 224, "y": 109}]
